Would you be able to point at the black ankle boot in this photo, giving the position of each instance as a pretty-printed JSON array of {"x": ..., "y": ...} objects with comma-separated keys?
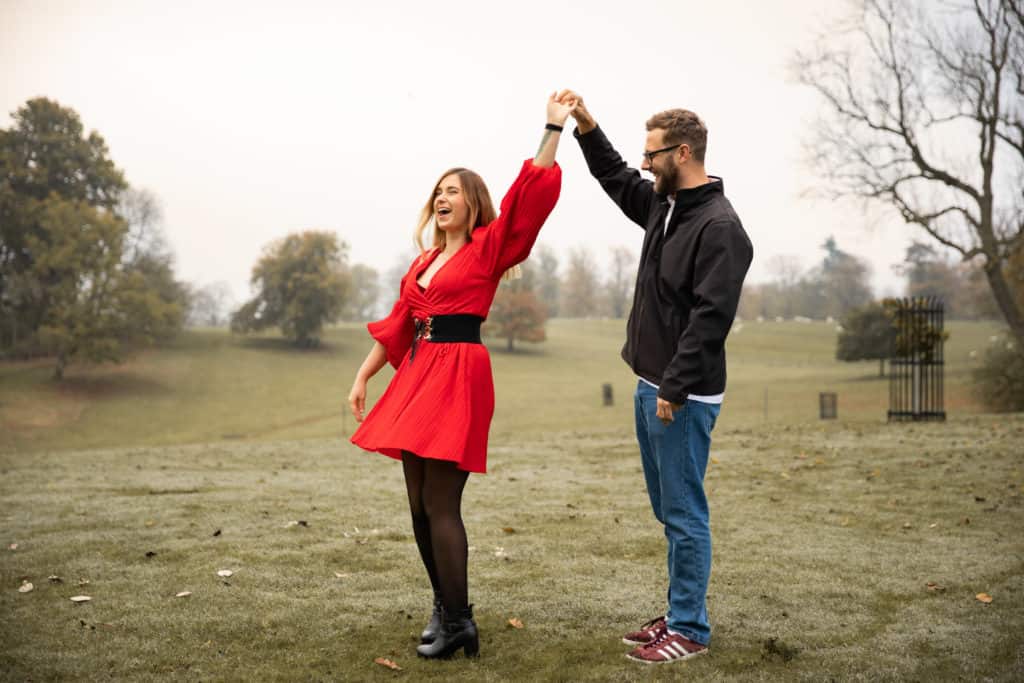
[
  {"x": 458, "y": 630},
  {"x": 429, "y": 634}
]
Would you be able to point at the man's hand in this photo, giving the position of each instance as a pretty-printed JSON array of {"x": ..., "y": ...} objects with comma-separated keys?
[
  {"x": 559, "y": 109},
  {"x": 584, "y": 121},
  {"x": 666, "y": 409}
]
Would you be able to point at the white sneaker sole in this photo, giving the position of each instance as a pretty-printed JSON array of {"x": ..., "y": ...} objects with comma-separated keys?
[{"x": 668, "y": 661}]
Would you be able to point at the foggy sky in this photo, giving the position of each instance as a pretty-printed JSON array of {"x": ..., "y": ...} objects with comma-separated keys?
[{"x": 253, "y": 120}]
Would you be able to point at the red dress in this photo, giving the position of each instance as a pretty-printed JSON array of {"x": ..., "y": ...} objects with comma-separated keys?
[{"x": 440, "y": 406}]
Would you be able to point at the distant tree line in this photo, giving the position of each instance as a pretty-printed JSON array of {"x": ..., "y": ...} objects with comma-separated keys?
[{"x": 840, "y": 283}]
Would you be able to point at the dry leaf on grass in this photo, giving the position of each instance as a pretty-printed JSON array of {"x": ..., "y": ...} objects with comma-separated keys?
[
  {"x": 508, "y": 530},
  {"x": 80, "y": 598},
  {"x": 387, "y": 663},
  {"x": 515, "y": 623},
  {"x": 932, "y": 586},
  {"x": 13, "y": 546},
  {"x": 984, "y": 597},
  {"x": 53, "y": 578},
  {"x": 25, "y": 587},
  {"x": 714, "y": 461},
  {"x": 183, "y": 594},
  {"x": 225, "y": 573},
  {"x": 341, "y": 575},
  {"x": 217, "y": 532}
]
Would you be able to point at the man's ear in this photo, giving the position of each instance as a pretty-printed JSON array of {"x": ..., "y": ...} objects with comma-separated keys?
[{"x": 685, "y": 153}]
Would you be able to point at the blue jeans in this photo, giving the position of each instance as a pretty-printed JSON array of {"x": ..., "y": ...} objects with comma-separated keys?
[{"x": 675, "y": 457}]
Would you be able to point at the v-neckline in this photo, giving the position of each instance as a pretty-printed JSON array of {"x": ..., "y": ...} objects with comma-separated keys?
[{"x": 430, "y": 263}]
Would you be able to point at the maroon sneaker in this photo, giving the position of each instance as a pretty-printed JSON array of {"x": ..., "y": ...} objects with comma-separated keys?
[
  {"x": 670, "y": 647},
  {"x": 648, "y": 633}
]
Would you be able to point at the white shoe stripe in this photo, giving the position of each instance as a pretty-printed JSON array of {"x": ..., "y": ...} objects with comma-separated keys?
[
  {"x": 678, "y": 649},
  {"x": 664, "y": 654}
]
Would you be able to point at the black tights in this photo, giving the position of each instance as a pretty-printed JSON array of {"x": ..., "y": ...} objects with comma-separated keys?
[{"x": 435, "y": 499}]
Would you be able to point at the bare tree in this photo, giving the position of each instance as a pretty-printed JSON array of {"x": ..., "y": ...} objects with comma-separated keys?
[
  {"x": 926, "y": 114},
  {"x": 579, "y": 291},
  {"x": 618, "y": 285},
  {"x": 141, "y": 210}
]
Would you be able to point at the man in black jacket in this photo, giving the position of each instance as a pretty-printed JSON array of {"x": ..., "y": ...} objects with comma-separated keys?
[{"x": 694, "y": 257}]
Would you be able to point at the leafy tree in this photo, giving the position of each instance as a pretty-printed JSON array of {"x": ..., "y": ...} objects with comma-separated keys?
[
  {"x": 867, "y": 334},
  {"x": 924, "y": 115},
  {"x": 516, "y": 314},
  {"x": 48, "y": 169},
  {"x": 302, "y": 282}
]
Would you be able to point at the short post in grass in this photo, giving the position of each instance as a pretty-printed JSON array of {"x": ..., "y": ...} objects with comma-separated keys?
[
  {"x": 606, "y": 394},
  {"x": 828, "y": 405}
]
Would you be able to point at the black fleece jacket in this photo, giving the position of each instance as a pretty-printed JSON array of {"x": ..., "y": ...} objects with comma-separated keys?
[{"x": 690, "y": 276}]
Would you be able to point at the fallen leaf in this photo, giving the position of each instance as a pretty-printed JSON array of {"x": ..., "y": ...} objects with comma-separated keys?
[
  {"x": 55, "y": 579},
  {"x": 82, "y": 582},
  {"x": 906, "y": 525},
  {"x": 499, "y": 551},
  {"x": 13, "y": 546},
  {"x": 81, "y": 598},
  {"x": 150, "y": 554},
  {"x": 508, "y": 530},
  {"x": 150, "y": 522},
  {"x": 183, "y": 594},
  {"x": 225, "y": 573},
  {"x": 714, "y": 461},
  {"x": 25, "y": 587},
  {"x": 217, "y": 532},
  {"x": 303, "y": 522},
  {"x": 341, "y": 575},
  {"x": 984, "y": 597},
  {"x": 387, "y": 663},
  {"x": 932, "y": 586},
  {"x": 515, "y": 623}
]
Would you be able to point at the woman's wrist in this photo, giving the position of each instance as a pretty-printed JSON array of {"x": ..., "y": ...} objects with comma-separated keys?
[{"x": 555, "y": 126}]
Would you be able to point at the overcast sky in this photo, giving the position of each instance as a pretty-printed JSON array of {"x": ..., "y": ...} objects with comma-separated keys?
[{"x": 252, "y": 120}]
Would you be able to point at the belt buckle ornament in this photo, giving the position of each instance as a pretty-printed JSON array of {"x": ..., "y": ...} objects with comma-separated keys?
[{"x": 423, "y": 328}]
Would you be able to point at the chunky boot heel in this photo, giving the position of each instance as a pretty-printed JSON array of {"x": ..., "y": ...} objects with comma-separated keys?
[
  {"x": 458, "y": 632},
  {"x": 432, "y": 628}
]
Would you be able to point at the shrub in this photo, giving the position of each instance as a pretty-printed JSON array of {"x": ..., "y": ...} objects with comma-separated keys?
[{"x": 1000, "y": 378}]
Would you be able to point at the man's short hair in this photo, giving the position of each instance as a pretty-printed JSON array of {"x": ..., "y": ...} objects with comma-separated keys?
[{"x": 682, "y": 126}]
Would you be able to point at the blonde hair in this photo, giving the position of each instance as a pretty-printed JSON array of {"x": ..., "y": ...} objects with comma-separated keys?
[
  {"x": 481, "y": 212},
  {"x": 478, "y": 199}
]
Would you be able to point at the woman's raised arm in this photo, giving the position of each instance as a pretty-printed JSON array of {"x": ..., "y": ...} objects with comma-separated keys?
[{"x": 558, "y": 112}]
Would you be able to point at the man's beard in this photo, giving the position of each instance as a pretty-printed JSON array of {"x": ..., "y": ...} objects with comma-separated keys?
[{"x": 667, "y": 179}]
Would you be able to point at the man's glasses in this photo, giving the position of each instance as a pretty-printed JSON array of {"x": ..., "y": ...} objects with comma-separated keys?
[{"x": 650, "y": 155}]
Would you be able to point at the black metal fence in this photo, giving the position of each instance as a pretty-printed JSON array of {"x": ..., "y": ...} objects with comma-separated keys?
[{"x": 916, "y": 365}]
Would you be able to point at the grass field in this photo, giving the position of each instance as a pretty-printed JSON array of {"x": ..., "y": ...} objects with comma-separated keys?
[{"x": 847, "y": 550}]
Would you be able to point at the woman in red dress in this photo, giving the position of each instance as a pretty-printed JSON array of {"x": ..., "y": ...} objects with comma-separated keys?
[{"x": 435, "y": 414}]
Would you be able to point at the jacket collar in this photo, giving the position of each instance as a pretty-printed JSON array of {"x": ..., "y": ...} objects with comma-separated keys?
[{"x": 694, "y": 196}]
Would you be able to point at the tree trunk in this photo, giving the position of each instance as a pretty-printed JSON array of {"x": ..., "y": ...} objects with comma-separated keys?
[
  {"x": 511, "y": 338},
  {"x": 1005, "y": 300},
  {"x": 62, "y": 362}
]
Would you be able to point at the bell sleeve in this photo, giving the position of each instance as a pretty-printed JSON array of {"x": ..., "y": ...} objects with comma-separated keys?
[
  {"x": 396, "y": 331},
  {"x": 509, "y": 238}
]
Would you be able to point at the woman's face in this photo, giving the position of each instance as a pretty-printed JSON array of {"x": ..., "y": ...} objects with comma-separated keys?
[{"x": 451, "y": 213}]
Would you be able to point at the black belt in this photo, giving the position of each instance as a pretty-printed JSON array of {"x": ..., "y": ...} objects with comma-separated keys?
[{"x": 447, "y": 329}]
